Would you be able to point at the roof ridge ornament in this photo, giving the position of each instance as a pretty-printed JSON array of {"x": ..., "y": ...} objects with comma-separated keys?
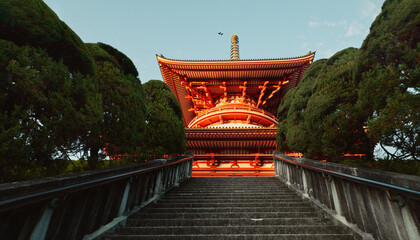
[{"x": 234, "y": 48}]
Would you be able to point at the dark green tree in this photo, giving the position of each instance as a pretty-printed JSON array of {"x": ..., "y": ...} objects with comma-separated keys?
[
  {"x": 165, "y": 130},
  {"x": 32, "y": 22},
  {"x": 121, "y": 60},
  {"x": 45, "y": 111},
  {"x": 319, "y": 117},
  {"x": 292, "y": 133},
  {"x": 122, "y": 128},
  {"x": 331, "y": 116},
  {"x": 388, "y": 78}
]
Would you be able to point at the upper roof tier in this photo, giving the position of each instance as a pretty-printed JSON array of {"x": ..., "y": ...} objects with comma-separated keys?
[
  {"x": 228, "y": 69},
  {"x": 207, "y": 79}
]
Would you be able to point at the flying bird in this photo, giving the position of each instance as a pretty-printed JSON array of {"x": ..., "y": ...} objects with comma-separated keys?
[{"x": 220, "y": 33}]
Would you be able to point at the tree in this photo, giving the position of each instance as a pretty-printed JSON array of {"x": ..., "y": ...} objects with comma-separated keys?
[
  {"x": 121, "y": 130},
  {"x": 32, "y": 22},
  {"x": 291, "y": 112},
  {"x": 398, "y": 126},
  {"x": 319, "y": 117},
  {"x": 45, "y": 111},
  {"x": 388, "y": 78},
  {"x": 165, "y": 128}
]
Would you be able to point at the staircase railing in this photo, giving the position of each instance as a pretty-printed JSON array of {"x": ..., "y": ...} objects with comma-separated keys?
[
  {"x": 85, "y": 205},
  {"x": 383, "y": 204}
]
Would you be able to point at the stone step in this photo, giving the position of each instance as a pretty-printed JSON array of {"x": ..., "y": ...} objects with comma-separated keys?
[
  {"x": 229, "y": 204},
  {"x": 251, "y": 186},
  {"x": 233, "y": 192},
  {"x": 232, "y": 200},
  {"x": 259, "y": 196},
  {"x": 222, "y": 215},
  {"x": 226, "y": 221},
  {"x": 250, "y": 192},
  {"x": 250, "y": 229},
  {"x": 227, "y": 209},
  {"x": 237, "y": 194},
  {"x": 233, "y": 186},
  {"x": 231, "y": 208},
  {"x": 235, "y": 237}
]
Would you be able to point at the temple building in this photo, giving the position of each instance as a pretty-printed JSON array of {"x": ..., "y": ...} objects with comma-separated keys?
[{"x": 229, "y": 109}]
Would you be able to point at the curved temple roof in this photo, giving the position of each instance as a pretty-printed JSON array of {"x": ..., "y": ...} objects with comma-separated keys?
[{"x": 267, "y": 80}]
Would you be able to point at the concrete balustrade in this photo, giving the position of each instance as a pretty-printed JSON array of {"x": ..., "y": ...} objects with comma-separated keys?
[
  {"x": 88, "y": 204},
  {"x": 376, "y": 204}
]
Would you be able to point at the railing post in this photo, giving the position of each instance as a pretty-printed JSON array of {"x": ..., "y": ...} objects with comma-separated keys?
[
  {"x": 287, "y": 174},
  {"x": 176, "y": 183},
  {"x": 158, "y": 184},
  {"x": 305, "y": 183},
  {"x": 410, "y": 224},
  {"x": 41, "y": 228},
  {"x": 124, "y": 199},
  {"x": 336, "y": 201}
]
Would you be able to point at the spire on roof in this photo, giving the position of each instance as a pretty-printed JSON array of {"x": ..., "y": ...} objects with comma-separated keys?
[{"x": 234, "y": 48}]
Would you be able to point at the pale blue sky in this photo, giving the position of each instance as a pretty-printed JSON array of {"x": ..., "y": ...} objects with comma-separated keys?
[{"x": 188, "y": 29}]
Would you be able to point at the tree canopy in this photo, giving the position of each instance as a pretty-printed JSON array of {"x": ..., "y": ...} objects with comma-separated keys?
[
  {"x": 44, "y": 110},
  {"x": 121, "y": 130},
  {"x": 165, "y": 132},
  {"x": 388, "y": 76},
  {"x": 318, "y": 118},
  {"x": 361, "y": 96},
  {"x": 32, "y": 22},
  {"x": 62, "y": 99}
]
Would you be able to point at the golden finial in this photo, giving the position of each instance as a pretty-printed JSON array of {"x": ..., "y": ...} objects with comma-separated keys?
[{"x": 234, "y": 48}]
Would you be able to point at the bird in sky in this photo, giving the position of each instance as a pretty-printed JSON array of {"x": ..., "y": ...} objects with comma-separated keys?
[{"x": 220, "y": 33}]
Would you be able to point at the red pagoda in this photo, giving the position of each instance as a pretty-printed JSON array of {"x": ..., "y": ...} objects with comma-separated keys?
[{"x": 229, "y": 109}]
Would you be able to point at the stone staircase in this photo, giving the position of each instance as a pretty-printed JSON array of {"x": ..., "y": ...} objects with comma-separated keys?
[{"x": 231, "y": 208}]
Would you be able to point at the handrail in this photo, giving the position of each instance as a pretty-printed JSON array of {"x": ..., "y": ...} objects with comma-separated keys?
[
  {"x": 80, "y": 186},
  {"x": 406, "y": 191}
]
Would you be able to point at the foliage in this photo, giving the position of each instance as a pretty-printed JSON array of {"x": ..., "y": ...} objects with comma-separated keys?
[
  {"x": 43, "y": 112},
  {"x": 388, "y": 78},
  {"x": 318, "y": 118},
  {"x": 122, "y": 128},
  {"x": 125, "y": 64},
  {"x": 165, "y": 129},
  {"x": 62, "y": 99},
  {"x": 292, "y": 132},
  {"x": 32, "y": 22},
  {"x": 375, "y": 87}
]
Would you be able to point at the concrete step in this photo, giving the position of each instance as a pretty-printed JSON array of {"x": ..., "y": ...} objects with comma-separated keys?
[
  {"x": 233, "y": 186},
  {"x": 230, "y": 191},
  {"x": 235, "y": 237},
  {"x": 230, "y": 208},
  {"x": 232, "y": 200},
  {"x": 249, "y": 192},
  {"x": 222, "y": 215},
  {"x": 217, "y": 194},
  {"x": 266, "y": 198},
  {"x": 226, "y": 221},
  {"x": 244, "y": 229},
  {"x": 229, "y": 204}
]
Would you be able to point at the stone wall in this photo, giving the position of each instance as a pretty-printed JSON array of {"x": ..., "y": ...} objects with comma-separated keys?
[
  {"x": 384, "y": 205},
  {"x": 85, "y": 205}
]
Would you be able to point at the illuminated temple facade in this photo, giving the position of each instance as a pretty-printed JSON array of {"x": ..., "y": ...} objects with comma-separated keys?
[{"x": 229, "y": 109}]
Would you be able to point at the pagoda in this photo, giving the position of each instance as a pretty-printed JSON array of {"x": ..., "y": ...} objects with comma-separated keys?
[{"x": 229, "y": 108}]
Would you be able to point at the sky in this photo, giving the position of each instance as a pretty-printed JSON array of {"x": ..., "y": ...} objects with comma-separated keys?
[{"x": 188, "y": 29}]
